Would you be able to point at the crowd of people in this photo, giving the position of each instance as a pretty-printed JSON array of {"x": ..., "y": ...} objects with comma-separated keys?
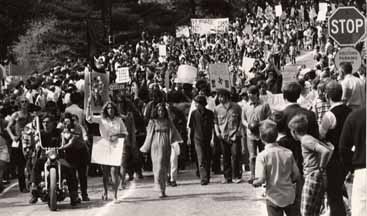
[{"x": 300, "y": 152}]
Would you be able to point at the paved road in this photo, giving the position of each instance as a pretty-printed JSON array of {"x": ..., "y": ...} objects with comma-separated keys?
[{"x": 188, "y": 198}]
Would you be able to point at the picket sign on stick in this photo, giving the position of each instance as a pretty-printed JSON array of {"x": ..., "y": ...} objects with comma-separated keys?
[
  {"x": 186, "y": 74},
  {"x": 219, "y": 76},
  {"x": 122, "y": 75}
]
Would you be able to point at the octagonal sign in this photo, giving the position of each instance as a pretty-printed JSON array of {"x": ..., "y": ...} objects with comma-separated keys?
[{"x": 347, "y": 26}]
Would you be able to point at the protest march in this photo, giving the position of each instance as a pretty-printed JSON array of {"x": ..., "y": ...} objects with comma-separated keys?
[{"x": 220, "y": 98}]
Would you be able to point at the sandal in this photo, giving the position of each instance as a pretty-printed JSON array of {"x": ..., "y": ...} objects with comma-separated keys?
[{"x": 104, "y": 197}]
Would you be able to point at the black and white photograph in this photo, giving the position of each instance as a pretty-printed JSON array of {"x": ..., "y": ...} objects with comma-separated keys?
[{"x": 183, "y": 107}]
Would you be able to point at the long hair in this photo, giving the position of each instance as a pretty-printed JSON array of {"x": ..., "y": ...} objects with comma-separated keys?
[
  {"x": 104, "y": 109},
  {"x": 155, "y": 111}
]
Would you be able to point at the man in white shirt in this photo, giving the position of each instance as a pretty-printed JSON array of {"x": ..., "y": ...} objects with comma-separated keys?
[{"x": 354, "y": 89}]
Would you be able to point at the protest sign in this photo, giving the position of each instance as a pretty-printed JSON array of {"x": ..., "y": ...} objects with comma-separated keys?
[
  {"x": 209, "y": 26},
  {"x": 269, "y": 12},
  {"x": 247, "y": 64},
  {"x": 107, "y": 153},
  {"x": 122, "y": 75},
  {"x": 321, "y": 16},
  {"x": 247, "y": 29},
  {"x": 278, "y": 10},
  {"x": 186, "y": 74},
  {"x": 97, "y": 85},
  {"x": 275, "y": 101},
  {"x": 182, "y": 31},
  {"x": 259, "y": 12},
  {"x": 219, "y": 76},
  {"x": 162, "y": 50}
]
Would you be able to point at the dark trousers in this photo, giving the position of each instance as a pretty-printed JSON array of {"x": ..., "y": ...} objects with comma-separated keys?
[
  {"x": 203, "y": 159},
  {"x": 274, "y": 210},
  {"x": 335, "y": 186},
  {"x": 83, "y": 179},
  {"x": 19, "y": 163},
  {"x": 231, "y": 159},
  {"x": 216, "y": 153}
]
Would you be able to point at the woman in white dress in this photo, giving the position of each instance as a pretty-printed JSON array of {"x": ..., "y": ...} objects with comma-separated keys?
[{"x": 111, "y": 127}]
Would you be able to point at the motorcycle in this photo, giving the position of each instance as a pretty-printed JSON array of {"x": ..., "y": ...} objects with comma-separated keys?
[{"x": 53, "y": 187}]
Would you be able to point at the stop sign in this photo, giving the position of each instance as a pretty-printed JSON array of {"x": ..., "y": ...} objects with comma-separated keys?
[{"x": 347, "y": 26}]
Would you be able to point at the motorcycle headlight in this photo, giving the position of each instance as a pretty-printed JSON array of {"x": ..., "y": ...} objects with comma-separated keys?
[{"x": 52, "y": 155}]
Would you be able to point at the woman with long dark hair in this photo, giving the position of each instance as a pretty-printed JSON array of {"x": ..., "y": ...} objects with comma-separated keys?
[{"x": 161, "y": 134}]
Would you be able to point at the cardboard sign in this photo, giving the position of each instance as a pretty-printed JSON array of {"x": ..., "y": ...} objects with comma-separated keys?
[
  {"x": 275, "y": 101},
  {"x": 348, "y": 55},
  {"x": 108, "y": 153},
  {"x": 186, "y": 74},
  {"x": 278, "y": 10},
  {"x": 96, "y": 86},
  {"x": 122, "y": 75},
  {"x": 247, "y": 64},
  {"x": 182, "y": 31},
  {"x": 321, "y": 16},
  {"x": 219, "y": 76},
  {"x": 162, "y": 50},
  {"x": 209, "y": 26}
]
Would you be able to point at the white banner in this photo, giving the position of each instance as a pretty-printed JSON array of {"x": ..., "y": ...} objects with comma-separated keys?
[
  {"x": 186, "y": 74},
  {"x": 107, "y": 153},
  {"x": 209, "y": 26},
  {"x": 278, "y": 10},
  {"x": 275, "y": 101},
  {"x": 321, "y": 16},
  {"x": 162, "y": 50},
  {"x": 182, "y": 31},
  {"x": 122, "y": 75},
  {"x": 219, "y": 76},
  {"x": 247, "y": 64}
]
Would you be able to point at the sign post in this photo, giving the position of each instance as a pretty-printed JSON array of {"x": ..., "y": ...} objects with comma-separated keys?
[{"x": 347, "y": 26}]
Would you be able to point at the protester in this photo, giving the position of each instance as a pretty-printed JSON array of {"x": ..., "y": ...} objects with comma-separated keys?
[
  {"x": 4, "y": 151},
  {"x": 201, "y": 124},
  {"x": 253, "y": 113},
  {"x": 161, "y": 134},
  {"x": 111, "y": 127}
]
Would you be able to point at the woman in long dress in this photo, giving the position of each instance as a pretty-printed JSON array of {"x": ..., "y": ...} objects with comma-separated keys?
[
  {"x": 161, "y": 133},
  {"x": 111, "y": 127}
]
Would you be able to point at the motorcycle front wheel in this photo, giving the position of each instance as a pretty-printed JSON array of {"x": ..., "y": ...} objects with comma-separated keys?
[{"x": 53, "y": 196}]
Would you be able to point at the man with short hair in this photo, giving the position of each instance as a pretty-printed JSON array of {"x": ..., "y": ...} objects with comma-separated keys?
[
  {"x": 254, "y": 112},
  {"x": 201, "y": 126},
  {"x": 227, "y": 122},
  {"x": 291, "y": 93},
  {"x": 354, "y": 89},
  {"x": 330, "y": 129}
]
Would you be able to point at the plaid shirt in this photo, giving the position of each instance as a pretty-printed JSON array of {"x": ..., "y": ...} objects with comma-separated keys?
[{"x": 320, "y": 108}]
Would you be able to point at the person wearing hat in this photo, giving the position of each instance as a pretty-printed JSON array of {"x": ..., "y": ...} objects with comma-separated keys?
[{"x": 201, "y": 128}]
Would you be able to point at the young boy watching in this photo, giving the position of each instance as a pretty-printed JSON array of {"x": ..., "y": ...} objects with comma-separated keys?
[{"x": 277, "y": 168}]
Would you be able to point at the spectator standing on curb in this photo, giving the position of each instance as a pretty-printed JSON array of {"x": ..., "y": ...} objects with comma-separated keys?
[{"x": 353, "y": 137}]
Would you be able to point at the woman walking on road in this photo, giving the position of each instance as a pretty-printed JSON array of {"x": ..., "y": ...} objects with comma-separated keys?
[
  {"x": 161, "y": 134},
  {"x": 111, "y": 127}
]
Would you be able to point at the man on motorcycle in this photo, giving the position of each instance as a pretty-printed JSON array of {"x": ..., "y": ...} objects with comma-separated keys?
[{"x": 51, "y": 137}]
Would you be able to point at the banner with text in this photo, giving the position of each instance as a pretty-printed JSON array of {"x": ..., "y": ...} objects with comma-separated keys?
[{"x": 209, "y": 26}]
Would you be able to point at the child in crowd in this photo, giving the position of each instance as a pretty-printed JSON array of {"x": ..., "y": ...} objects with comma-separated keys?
[
  {"x": 277, "y": 168},
  {"x": 316, "y": 156}
]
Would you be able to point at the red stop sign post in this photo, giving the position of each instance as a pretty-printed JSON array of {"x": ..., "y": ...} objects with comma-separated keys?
[{"x": 347, "y": 26}]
